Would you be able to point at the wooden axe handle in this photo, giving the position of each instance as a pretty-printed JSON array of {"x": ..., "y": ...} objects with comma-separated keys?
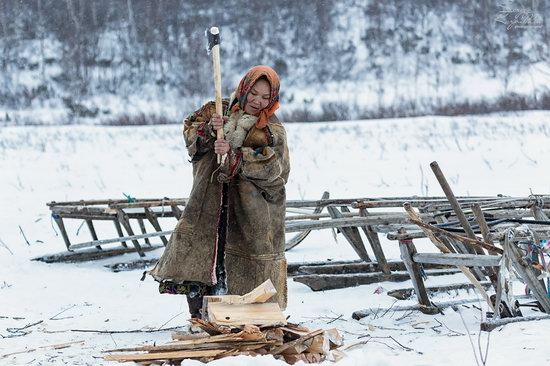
[{"x": 217, "y": 84}]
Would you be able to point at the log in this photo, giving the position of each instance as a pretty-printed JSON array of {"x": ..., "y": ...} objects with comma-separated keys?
[
  {"x": 331, "y": 282},
  {"x": 351, "y": 234},
  {"x": 301, "y": 236}
]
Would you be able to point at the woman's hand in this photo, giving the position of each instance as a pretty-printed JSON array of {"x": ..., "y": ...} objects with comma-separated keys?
[
  {"x": 217, "y": 122},
  {"x": 221, "y": 147}
]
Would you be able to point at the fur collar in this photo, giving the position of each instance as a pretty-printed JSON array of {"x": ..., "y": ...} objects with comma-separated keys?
[{"x": 237, "y": 127}]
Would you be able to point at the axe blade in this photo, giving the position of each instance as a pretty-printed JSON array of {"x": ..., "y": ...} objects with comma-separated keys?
[{"x": 213, "y": 36}]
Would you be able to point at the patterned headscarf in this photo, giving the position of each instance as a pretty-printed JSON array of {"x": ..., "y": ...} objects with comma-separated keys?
[{"x": 246, "y": 84}]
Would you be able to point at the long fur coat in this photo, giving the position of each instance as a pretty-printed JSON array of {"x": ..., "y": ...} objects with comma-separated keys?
[{"x": 255, "y": 222}]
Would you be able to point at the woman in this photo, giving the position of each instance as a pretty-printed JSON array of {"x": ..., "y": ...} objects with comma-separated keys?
[{"x": 231, "y": 235}]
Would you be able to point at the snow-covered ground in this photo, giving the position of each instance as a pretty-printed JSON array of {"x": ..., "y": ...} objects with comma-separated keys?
[{"x": 483, "y": 155}]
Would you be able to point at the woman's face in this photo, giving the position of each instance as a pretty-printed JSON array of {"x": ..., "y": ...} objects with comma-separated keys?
[{"x": 258, "y": 97}]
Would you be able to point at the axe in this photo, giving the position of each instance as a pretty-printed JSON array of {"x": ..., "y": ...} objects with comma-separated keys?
[{"x": 213, "y": 35}]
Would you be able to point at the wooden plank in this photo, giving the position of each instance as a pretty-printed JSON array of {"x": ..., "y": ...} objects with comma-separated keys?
[
  {"x": 324, "y": 282},
  {"x": 125, "y": 222},
  {"x": 152, "y": 217},
  {"x": 116, "y": 240},
  {"x": 454, "y": 259},
  {"x": 152, "y": 356},
  {"x": 374, "y": 241},
  {"x": 92, "y": 232},
  {"x": 363, "y": 267},
  {"x": 352, "y": 235},
  {"x": 490, "y": 325},
  {"x": 119, "y": 232},
  {"x": 408, "y": 251},
  {"x": 293, "y": 266},
  {"x": 144, "y": 231},
  {"x": 90, "y": 255},
  {"x": 264, "y": 314},
  {"x": 360, "y": 314},
  {"x": 301, "y": 236},
  {"x": 406, "y": 293},
  {"x": 59, "y": 221},
  {"x": 177, "y": 211}
]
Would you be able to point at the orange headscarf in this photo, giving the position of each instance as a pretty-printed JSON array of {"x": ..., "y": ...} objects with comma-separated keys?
[{"x": 246, "y": 83}]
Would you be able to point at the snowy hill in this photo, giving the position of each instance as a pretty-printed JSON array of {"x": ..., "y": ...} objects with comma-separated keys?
[
  {"x": 107, "y": 62},
  {"x": 484, "y": 155}
]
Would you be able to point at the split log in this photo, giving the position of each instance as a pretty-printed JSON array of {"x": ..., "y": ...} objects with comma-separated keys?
[{"x": 264, "y": 314}]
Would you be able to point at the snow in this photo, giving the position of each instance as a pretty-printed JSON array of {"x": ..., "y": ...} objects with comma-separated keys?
[{"x": 481, "y": 155}]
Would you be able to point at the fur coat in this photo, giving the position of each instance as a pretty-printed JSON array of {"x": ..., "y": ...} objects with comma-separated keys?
[{"x": 255, "y": 175}]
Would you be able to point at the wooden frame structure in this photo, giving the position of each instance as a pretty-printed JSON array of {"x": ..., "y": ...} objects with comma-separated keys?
[{"x": 478, "y": 236}]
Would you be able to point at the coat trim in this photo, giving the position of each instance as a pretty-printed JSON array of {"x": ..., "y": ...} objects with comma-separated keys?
[{"x": 213, "y": 276}]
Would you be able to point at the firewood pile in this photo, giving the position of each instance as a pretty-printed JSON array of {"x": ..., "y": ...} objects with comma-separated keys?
[{"x": 240, "y": 325}]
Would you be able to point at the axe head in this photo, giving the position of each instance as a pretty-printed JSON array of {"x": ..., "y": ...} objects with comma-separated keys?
[{"x": 213, "y": 36}]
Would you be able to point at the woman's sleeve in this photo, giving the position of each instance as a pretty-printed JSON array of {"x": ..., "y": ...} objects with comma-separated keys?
[
  {"x": 199, "y": 138},
  {"x": 267, "y": 167}
]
